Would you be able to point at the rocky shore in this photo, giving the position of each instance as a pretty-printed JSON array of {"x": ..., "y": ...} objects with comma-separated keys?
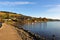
[{"x": 27, "y": 35}]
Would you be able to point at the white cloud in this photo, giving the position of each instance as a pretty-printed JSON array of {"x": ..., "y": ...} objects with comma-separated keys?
[
  {"x": 57, "y": 5},
  {"x": 52, "y": 11},
  {"x": 47, "y": 5},
  {"x": 55, "y": 9},
  {"x": 15, "y": 3}
]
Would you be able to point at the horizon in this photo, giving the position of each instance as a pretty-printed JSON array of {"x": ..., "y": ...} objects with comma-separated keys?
[{"x": 34, "y": 8}]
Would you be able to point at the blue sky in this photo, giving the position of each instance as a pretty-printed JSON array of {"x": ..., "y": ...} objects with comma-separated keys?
[{"x": 34, "y": 8}]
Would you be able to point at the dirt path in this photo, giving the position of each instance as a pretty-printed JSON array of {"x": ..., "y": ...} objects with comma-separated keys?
[{"x": 8, "y": 32}]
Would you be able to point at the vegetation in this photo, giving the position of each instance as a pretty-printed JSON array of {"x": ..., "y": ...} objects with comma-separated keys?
[{"x": 19, "y": 18}]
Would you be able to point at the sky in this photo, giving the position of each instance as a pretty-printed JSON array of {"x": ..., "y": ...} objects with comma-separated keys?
[{"x": 34, "y": 8}]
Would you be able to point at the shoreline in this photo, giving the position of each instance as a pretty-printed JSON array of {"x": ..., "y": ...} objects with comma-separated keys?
[
  {"x": 30, "y": 35},
  {"x": 27, "y": 35}
]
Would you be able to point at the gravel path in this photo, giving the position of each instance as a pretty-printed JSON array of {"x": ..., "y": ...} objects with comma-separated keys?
[{"x": 8, "y": 32}]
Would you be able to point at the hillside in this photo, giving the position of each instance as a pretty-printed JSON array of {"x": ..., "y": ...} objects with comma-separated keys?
[
  {"x": 22, "y": 18},
  {"x": 13, "y": 26},
  {"x": 5, "y": 14}
]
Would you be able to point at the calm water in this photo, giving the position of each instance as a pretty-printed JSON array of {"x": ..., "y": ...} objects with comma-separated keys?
[{"x": 46, "y": 29}]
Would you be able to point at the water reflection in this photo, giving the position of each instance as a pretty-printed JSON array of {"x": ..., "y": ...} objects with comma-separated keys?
[
  {"x": 44, "y": 28},
  {"x": 44, "y": 25},
  {"x": 36, "y": 26},
  {"x": 41, "y": 26}
]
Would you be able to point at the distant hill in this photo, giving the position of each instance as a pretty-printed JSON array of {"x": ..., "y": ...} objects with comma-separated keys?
[
  {"x": 11, "y": 15},
  {"x": 4, "y": 14}
]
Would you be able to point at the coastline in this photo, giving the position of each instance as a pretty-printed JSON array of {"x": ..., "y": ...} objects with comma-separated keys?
[
  {"x": 29, "y": 35},
  {"x": 25, "y": 34}
]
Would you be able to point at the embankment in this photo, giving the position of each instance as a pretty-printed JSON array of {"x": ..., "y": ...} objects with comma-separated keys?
[{"x": 26, "y": 35}]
